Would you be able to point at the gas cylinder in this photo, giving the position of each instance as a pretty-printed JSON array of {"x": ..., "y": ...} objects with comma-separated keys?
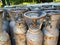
[
  {"x": 50, "y": 30},
  {"x": 34, "y": 35},
  {"x": 14, "y": 16},
  {"x": 19, "y": 29},
  {"x": 4, "y": 37},
  {"x": 20, "y": 33},
  {"x": 5, "y": 25}
]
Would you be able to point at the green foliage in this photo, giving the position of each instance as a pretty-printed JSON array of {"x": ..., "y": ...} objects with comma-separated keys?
[
  {"x": 0, "y": 4},
  {"x": 28, "y": 1},
  {"x": 56, "y": 0},
  {"x": 19, "y": 1},
  {"x": 16, "y": 2}
]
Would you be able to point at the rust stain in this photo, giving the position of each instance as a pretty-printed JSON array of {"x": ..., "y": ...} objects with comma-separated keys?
[{"x": 30, "y": 42}]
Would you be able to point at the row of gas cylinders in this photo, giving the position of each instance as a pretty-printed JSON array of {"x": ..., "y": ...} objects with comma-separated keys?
[
  {"x": 51, "y": 5},
  {"x": 29, "y": 27}
]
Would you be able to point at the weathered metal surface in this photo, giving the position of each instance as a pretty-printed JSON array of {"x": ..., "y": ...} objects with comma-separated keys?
[
  {"x": 51, "y": 32},
  {"x": 4, "y": 37}
]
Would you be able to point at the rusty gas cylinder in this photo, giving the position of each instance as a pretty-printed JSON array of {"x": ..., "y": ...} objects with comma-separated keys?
[
  {"x": 4, "y": 37},
  {"x": 34, "y": 34},
  {"x": 14, "y": 15},
  {"x": 18, "y": 27},
  {"x": 20, "y": 33},
  {"x": 51, "y": 32}
]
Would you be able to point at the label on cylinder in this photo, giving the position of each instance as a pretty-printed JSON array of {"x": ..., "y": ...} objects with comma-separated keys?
[
  {"x": 20, "y": 39},
  {"x": 50, "y": 40},
  {"x": 36, "y": 42}
]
